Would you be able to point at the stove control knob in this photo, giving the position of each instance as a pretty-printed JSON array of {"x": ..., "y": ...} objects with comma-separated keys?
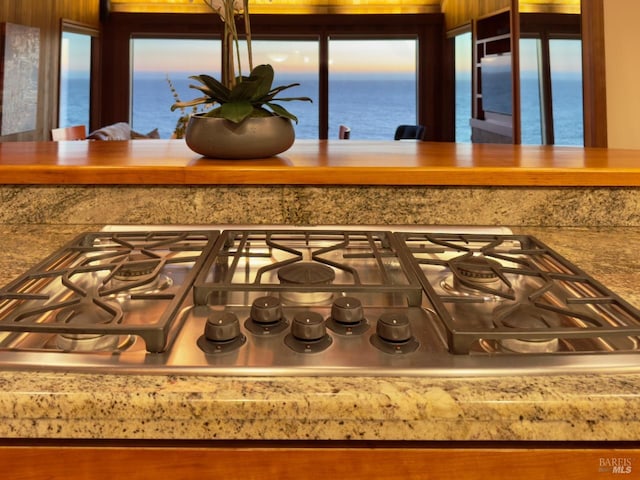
[
  {"x": 308, "y": 333},
  {"x": 222, "y": 327},
  {"x": 221, "y": 334},
  {"x": 347, "y": 311},
  {"x": 266, "y": 310},
  {"x": 308, "y": 326},
  {"x": 393, "y": 327}
]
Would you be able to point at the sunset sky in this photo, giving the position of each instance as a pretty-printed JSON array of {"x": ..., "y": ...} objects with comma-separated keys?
[
  {"x": 173, "y": 55},
  {"x": 289, "y": 56}
]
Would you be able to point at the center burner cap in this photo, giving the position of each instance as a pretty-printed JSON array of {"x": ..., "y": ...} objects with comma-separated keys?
[
  {"x": 478, "y": 269},
  {"x": 137, "y": 266},
  {"x": 306, "y": 273}
]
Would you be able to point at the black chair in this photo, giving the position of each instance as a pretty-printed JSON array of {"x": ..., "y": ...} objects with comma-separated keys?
[
  {"x": 344, "y": 132},
  {"x": 413, "y": 132}
]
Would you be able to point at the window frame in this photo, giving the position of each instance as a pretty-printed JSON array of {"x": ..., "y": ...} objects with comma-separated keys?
[
  {"x": 372, "y": 37},
  {"x": 452, "y": 36},
  {"x": 546, "y": 95},
  {"x": 322, "y": 60},
  {"x": 546, "y": 27},
  {"x": 120, "y": 28},
  {"x": 71, "y": 26}
]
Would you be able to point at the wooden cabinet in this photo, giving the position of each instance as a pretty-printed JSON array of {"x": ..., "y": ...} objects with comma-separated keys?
[
  {"x": 492, "y": 38},
  {"x": 313, "y": 461},
  {"x": 495, "y": 89}
]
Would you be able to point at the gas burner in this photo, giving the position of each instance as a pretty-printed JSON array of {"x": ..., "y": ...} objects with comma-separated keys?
[
  {"x": 526, "y": 317},
  {"x": 477, "y": 276},
  {"x": 137, "y": 265},
  {"x": 306, "y": 274},
  {"x": 83, "y": 314},
  {"x": 106, "y": 292},
  {"x": 128, "y": 286},
  {"x": 476, "y": 271},
  {"x": 139, "y": 274},
  {"x": 85, "y": 342}
]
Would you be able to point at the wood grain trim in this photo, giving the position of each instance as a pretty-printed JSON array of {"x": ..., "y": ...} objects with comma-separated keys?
[
  {"x": 115, "y": 462},
  {"x": 333, "y": 162},
  {"x": 594, "y": 88}
]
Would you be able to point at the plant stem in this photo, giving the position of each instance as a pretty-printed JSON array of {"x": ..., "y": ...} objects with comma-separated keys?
[
  {"x": 237, "y": 43},
  {"x": 229, "y": 40},
  {"x": 227, "y": 58},
  {"x": 247, "y": 31}
]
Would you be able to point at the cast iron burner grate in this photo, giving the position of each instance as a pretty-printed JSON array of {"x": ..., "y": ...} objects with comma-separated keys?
[
  {"x": 98, "y": 283},
  {"x": 254, "y": 261},
  {"x": 496, "y": 290}
]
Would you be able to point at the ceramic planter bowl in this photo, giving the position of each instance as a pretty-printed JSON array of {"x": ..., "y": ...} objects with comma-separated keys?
[{"x": 252, "y": 138}]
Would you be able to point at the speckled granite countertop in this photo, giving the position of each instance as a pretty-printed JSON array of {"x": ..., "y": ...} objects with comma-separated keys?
[{"x": 568, "y": 407}]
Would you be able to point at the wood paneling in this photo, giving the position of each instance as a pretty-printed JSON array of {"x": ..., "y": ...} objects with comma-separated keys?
[
  {"x": 302, "y": 463},
  {"x": 47, "y": 16},
  {"x": 283, "y": 6},
  {"x": 461, "y": 12},
  {"x": 594, "y": 87}
]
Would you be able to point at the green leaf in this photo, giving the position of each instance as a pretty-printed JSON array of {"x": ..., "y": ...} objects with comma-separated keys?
[
  {"x": 236, "y": 111},
  {"x": 262, "y": 76},
  {"x": 209, "y": 94},
  {"x": 248, "y": 98},
  {"x": 244, "y": 91},
  {"x": 215, "y": 112},
  {"x": 279, "y": 89},
  {"x": 294, "y": 99},
  {"x": 214, "y": 88},
  {"x": 282, "y": 112}
]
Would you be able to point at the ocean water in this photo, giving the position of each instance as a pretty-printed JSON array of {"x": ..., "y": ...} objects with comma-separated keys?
[
  {"x": 566, "y": 91},
  {"x": 372, "y": 106},
  {"x": 76, "y": 86}
]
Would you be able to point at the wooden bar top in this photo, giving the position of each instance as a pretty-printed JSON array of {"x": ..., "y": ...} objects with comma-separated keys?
[{"x": 317, "y": 162}]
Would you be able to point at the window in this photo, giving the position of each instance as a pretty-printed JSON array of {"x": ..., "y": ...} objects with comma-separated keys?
[
  {"x": 530, "y": 106},
  {"x": 372, "y": 86},
  {"x": 551, "y": 91},
  {"x": 294, "y": 61},
  {"x": 161, "y": 69},
  {"x": 565, "y": 58},
  {"x": 373, "y": 94},
  {"x": 463, "y": 87},
  {"x": 74, "y": 101}
]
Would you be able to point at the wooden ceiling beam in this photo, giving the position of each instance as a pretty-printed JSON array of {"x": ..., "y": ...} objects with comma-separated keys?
[{"x": 282, "y": 6}]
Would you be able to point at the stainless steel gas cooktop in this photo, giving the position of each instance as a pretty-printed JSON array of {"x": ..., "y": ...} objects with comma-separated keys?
[{"x": 279, "y": 300}]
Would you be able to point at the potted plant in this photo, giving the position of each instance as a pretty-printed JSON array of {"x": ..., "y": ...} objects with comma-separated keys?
[{"x": 246, "y": 119}]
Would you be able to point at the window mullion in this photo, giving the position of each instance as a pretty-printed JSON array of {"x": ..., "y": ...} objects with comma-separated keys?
[{"x": 546, "y": 97}]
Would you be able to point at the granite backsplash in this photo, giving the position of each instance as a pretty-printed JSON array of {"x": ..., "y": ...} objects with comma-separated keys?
[{"x": 312, "y": 205}]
